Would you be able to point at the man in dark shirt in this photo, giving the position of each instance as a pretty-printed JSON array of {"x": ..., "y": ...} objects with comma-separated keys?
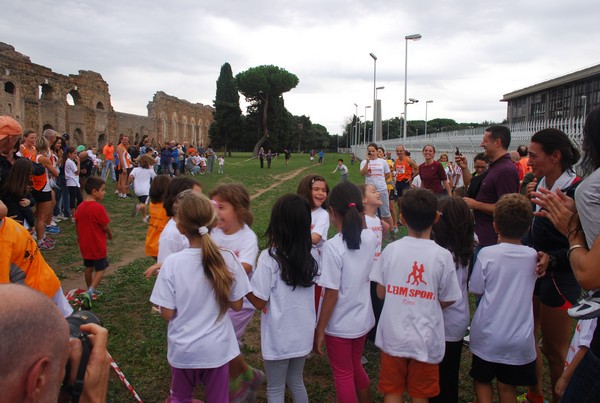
[{"x": 502, "y": 177}]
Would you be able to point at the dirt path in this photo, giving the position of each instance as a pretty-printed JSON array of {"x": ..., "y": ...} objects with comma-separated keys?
[{"x": 76, "y": 280}]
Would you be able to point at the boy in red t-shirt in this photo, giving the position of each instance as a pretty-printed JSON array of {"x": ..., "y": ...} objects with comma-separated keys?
[{"x": 91, "y": 223}]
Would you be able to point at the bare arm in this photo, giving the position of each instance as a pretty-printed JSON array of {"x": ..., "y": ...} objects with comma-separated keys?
[
  {"x": 380, "y": 291},
  {"x": 236, "y": 305},
  {"x": 166, "y": 313},
  {"x": 45, "y": 161},
  {"x": 414, "y": 166},
  {"x": 327, "y": 307},
  {"x": 473, "y": 204},
  {"x": 563, "y": 381},
  {"x": 464, "y": 167},
  {"x": 448, "y": 187},
  {"x": 365, "y": 169},
  {"x": 257, "y": 302},
  {"x": 108, "y": 231},
  {"x": 446, "y": 304}
]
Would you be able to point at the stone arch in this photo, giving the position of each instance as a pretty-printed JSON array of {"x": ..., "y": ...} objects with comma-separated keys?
[
  {"x": 75, "y": 97},
  {"x": 185, "y": 128},
  {"x": 47, "y": 126},
  {"x": 174, "y": 127},
  {"x": 100, "y": 106},
  {"x": 10, "y": 108},
  {"x": 9, "y": 88},
  {"x": 46, "y": 92},
  {"x": 77, "y": 137},
  {"x": 101, "y": 141},
  {"x": 193, "y": 137},
  {"x": 165, "y": 126}
]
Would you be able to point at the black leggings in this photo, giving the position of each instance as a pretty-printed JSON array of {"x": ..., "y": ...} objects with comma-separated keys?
[
  {"x": 75, "y": 197},
  {"x": 449, "y": 370}
]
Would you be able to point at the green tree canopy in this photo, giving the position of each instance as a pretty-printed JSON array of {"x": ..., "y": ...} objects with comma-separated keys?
[
  {"x": 261, "y": 86},
  {"x": 226, "y": 127}
]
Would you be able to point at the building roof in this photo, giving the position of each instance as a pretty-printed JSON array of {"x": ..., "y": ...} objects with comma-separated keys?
[{"x": 555, "y": 82}]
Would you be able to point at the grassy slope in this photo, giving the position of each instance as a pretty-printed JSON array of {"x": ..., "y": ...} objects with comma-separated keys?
[{"x": 138, "y": 337}]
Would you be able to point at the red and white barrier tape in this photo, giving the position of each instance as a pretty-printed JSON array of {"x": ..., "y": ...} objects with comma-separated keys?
[{"x": 121, "y": 376}]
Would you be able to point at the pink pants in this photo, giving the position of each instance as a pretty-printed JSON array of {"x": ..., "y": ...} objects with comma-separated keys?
[{"x": 348, "y": 372}]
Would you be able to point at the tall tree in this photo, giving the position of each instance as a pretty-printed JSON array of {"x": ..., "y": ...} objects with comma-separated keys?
[
  {"x": 262, "y": 85},
  {"x": 226, "y": 127}
]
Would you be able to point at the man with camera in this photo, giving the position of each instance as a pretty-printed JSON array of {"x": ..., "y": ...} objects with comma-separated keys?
[{"x": 36, "y": 347}]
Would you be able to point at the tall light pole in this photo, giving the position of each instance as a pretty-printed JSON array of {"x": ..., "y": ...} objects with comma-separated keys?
[
  {"x": 365, "y": 137},
  {"x": 374, "y": 94},
  {"x": 355, "y": 119},
  {"x": 376, "y": 113},
  {"x": 584, "y": 99},
  {"x": 426, "y": 103},
  {"x": 413, "y": 37}
]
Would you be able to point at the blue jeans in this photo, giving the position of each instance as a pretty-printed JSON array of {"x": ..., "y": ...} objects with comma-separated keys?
[
  {"x": 109, "y": 164},
  {"x": 585, "y": 383}
]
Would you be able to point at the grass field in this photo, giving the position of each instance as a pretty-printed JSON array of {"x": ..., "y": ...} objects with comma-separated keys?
[{"x": 138, "y": 339}]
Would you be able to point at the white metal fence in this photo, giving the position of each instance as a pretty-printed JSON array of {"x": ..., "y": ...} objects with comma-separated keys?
[{"x": 468, "y": 141}]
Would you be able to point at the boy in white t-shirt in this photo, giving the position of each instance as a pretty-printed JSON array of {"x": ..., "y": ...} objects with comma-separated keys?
[
  {"x": 502, "y": 338},
  {"x": 418, "y": 279}
]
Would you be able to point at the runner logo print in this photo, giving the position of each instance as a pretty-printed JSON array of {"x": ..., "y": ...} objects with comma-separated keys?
[{"x": 416, "y": 274}]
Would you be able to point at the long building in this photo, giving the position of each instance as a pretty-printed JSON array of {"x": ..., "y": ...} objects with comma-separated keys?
[
  {"x": 80, "y": 104},
  {"x": 564, "y": 97}
]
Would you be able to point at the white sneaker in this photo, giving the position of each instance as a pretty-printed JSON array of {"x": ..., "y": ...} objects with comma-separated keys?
[{"x": 588, "y": 307}]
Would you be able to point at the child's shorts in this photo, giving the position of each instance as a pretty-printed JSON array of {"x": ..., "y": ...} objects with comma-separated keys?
[
  {"x": 422, "y": 380},
  {"x": 142, "y": 199},
  {"x": 98, "y": 264},
  {"x": 514, "y": 375}
]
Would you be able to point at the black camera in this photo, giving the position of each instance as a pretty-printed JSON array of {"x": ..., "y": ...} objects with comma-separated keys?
[{"x": 77, "y": 319}]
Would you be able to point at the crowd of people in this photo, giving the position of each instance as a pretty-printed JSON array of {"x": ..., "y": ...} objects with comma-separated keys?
[{"x": 518, "y": 233}]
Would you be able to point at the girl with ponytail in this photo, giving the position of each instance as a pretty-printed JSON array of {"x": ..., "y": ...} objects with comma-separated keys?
[
  {"x": 346, "y": 314},
  {"x": 194, "y": 289}
]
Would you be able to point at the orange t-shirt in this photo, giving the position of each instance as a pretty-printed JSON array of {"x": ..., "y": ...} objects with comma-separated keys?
[
  {"x": 156, "y": 224},
  {"x": 21, "y": 260},
  {"x": 109, "y": 152},
  {"x": 403, "y": 170},
  {"x": 523, "y": 162}
]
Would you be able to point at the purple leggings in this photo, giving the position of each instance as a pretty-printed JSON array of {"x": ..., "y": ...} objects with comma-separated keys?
[{"x": 215, "y": 380}]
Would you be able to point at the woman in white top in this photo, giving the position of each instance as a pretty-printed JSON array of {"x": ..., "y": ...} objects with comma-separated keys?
[
  {"x": 346, "y": 315},
  {"x": 283, "y": 288},
  {"x": 377, "y": 172}
]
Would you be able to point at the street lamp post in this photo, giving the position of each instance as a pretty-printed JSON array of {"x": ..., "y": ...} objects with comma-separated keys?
[
  {"x": 376, "y": 113},
  {"x": 374, "y": 94},
  {"x": 355, "y": 120},
  {"x": 413, "y": 37},
  {"x": 365, "y": 134},
  {"x": 584, "y": 99},
  {"x": 426, "y": 103}
]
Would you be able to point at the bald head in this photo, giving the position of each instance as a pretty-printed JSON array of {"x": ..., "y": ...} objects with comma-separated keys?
[
  {"x": 35, "y": 342},
  {"x": 514, "y": 156}
]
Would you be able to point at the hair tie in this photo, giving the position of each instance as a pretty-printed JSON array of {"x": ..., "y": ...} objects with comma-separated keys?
[
  {"x": 351, "y": 205},
  {"x": 203, "y": 230}
]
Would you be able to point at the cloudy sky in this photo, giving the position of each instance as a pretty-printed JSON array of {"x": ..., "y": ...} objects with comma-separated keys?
[{"x": 470, "y": 55}]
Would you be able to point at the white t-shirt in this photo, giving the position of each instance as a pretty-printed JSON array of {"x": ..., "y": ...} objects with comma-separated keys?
[
  {"x": 376, "y": 173},
  {"x": 374, "y": 224},
  {"x": 142, "y": 176},
  {"x": 319, "y": 224},
  {"x": 502, "y": 327},
  {"x": 584, "y": 333},
  {"x": 416, "y": 182},
  {"x": 170, "y": 241},
  {"x": 198, "y": 337},
  {"x": 70, "y": 173},
  {"x": 287, "y": 324},
  {"x": 244, "y": 243},
  {"x": 457, "y": 316},
  {"x": 417, "y": 274},
  {"x": 348, "y": 271}
]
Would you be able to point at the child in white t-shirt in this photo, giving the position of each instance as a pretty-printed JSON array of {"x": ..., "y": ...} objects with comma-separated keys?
[
  {"x": 194, "y": 289},
  {"x": 454, "y": 231},
  {"x": 417, "y": 277},
  {"x": 141, "y": 177},
  {"x": 372, "y": 201},
  {"x": 502, "y": 339},
  {"x": 283, "y": 288},
  {"x": 221, "y": 164},
  {"x": 315, "y": 189},
  {"x": 233, "y": 232},
  {"x": 346, "y": 315}
]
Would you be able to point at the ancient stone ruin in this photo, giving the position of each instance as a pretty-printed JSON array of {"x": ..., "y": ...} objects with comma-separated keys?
[{"x": 80, "y": 105}]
